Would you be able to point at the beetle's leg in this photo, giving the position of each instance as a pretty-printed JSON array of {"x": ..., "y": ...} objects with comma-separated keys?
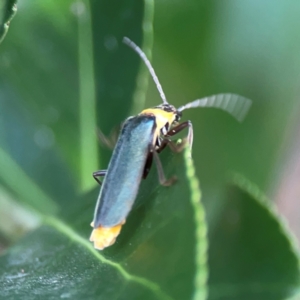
[
  {"x": 110, "y": 141},
  {"x": 162, "y": 145},
  {"x": 148, "y": 164},
  {"x": 99, "y": 173},
  {"x": 168, "y": 142},
  {"x": 180, "y": 127},
  {"x": 160, "y": 171},
  {"x": 175, "y": 148}
]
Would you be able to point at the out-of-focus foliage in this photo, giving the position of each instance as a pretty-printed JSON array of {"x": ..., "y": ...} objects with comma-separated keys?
[
  {"x": 64, "y": 72},
  {"x": 7, "y": 11}
]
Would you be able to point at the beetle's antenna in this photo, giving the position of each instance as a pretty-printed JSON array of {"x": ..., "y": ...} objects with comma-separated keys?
[
  {"x": 140, "y": 52},
  {"x": 235, "y": 105}
]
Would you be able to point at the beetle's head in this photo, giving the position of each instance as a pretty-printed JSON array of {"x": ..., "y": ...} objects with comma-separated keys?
[{"x": 170, "y": 108}]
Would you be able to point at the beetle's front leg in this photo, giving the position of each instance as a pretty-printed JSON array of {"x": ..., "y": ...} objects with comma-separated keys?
[
  {"x": 98, "y": 174},
  {"x": 160, "y": 171},
  {"x": 174, "y": 147},
  {"x": 180, "y": 127}
]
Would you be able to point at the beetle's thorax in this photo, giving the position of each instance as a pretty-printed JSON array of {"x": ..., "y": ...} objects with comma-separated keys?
[{"x": 165, "y": 115}]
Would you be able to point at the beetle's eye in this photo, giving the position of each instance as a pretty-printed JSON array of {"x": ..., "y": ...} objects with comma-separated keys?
[
  {"x": 164, "y": 131},
  {"x": 177, "y": 117}
]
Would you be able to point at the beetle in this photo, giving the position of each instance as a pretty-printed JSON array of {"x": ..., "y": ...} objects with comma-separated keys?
[{"x": 141, "y": 138}]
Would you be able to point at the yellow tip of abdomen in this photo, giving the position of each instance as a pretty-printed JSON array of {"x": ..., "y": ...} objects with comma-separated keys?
[{"x": 104, "y": 236}]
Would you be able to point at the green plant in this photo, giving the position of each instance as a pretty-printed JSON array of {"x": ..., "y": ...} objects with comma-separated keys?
[{"x": 64, "y": 72}]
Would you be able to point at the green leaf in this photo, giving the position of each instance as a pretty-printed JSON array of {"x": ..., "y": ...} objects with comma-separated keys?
[
  {"x": 8, "y": 9},
  {"x": 252, "y": 254},
  {"x": 54, "y": 72},
  {"x": 26, "y": 188},
  {"x": 160, "y": 254},
  {"x": 78, "y": 271}
]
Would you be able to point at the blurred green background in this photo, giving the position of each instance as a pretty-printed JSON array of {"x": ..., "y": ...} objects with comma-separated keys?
[
  {"x": 64, "y": 72},
  {"x": 245, "y": 47}
]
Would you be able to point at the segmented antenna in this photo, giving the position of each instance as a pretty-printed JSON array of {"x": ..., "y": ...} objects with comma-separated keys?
[
  {"x": 235, "y": 105},
  {"x": 140, "y": 52}
]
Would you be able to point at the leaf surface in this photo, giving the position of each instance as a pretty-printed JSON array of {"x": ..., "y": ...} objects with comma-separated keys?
[{"x": 160, "y": 253}]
